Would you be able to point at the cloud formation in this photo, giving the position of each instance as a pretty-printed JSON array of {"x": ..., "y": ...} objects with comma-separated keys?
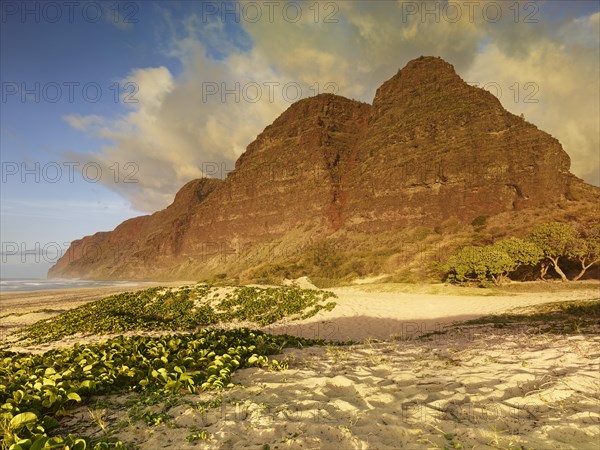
[{"x": 232, "y": 86}]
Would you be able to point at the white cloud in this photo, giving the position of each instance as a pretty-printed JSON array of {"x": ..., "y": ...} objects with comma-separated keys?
[
  {"x": 561, "y": 97},
  {"x": 177, "y": 126},
  {"x": 84, "y": 123}
]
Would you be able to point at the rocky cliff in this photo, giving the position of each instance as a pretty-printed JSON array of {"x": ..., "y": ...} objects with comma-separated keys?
[{"x": 430, "y": 148}]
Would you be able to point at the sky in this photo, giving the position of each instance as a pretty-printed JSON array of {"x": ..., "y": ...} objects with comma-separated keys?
[{"x": 108, "y": 108}]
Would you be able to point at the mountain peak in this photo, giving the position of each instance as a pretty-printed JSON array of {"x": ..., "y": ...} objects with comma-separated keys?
[
  {"x": 430, "y": 149},
  {"x": 424, "y": 75},
  {"x": 428, "y": 63},
  {"x": 325, "y": 104}
]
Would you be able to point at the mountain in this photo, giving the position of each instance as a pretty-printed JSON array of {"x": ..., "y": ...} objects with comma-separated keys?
[{"x": 338, "y": 183}]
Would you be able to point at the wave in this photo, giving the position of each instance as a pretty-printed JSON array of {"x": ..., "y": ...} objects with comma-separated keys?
[{"x": 15, "y": 284}]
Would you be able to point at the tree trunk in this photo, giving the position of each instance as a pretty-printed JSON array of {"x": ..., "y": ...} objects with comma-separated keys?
[
  {"x": 580, "y": 274},
  {"x": 543, "y": 270},
  {"x": 559, "y": 271},
  {"x": 584, "y": 268}
]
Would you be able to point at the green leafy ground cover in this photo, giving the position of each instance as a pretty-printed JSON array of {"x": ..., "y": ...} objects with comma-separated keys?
[
  {"x": 36, "y": 391},
  {"x": 183, "y": 309}
]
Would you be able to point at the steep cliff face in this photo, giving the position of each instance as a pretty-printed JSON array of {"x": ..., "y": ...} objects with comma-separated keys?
[
  {"x": 287, "y": 178},
  {"x": 137, "y": 244},
  {"x": 437, "y": 147},
  {"x": 430, "y": 148}
]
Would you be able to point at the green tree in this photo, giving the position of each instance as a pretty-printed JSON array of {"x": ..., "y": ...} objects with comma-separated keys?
[
  {"x": 523, "y": 253},
  {"x": 586, "y": 248},
  {"x": 480, "y": 264},
  {"x": 556, "y": 240},
  {"x": 498, "y": 263},
  {"x": 467, "y": 265}
]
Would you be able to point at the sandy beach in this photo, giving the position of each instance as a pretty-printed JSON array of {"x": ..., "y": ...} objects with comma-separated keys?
[
  {"x": 468, "y": 387},
  {"x": 362, "y": 311}
]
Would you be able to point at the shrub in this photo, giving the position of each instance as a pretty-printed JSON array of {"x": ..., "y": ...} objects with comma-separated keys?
[
  {"x": 479, "y": 221},
  {"x": 326, "y": 260}
]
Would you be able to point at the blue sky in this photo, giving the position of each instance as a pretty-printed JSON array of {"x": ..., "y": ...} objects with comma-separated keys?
[
  {"x": 169, "y": 49},
  {"x": 34, "y": 131}
]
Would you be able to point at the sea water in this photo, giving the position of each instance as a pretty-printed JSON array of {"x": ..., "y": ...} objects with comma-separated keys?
[{"x": 32, "y": 284}]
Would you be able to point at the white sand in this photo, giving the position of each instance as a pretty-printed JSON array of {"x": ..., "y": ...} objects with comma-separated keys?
[
  {"x": 472, "y": 388},
  {"x": 360, "y": 314},
  {"x": 487, "y": 391}
]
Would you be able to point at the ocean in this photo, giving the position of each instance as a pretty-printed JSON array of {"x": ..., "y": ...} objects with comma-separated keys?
[{"x": 23, "y": 284}]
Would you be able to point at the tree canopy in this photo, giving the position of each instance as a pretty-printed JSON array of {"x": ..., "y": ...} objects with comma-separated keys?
[{"x": 547, "y": 244}]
